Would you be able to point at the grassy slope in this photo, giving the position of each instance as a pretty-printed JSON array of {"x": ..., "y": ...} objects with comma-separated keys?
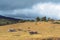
[{"x": 45, "y": 29}]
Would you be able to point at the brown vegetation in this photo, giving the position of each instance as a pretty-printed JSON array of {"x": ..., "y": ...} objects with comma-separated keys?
[
  {"x": 41, "y": 31},
  {"x": 28, "y": 30}
]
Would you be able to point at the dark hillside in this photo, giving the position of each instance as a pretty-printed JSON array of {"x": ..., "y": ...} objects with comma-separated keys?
[{"x": 8, "y": 20}]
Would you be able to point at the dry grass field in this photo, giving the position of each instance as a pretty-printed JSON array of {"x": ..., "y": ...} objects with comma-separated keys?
[{"x": 46, "y": 31}]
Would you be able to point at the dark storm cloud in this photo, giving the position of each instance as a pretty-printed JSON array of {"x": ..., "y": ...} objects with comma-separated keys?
[
  {"x": 15, "y": 4},
  {"x": 20, "y": 4}
]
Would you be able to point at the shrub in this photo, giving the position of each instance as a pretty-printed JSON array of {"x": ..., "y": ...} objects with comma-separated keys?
[
  {"x": 11, "y": 30},
  {"x": 37, "y": 19},
  {"x": 33, "y": 32},
  {"x": 49, "y": 38},
  {"x": 43, "y": 18},
  {"x": 56, "y": 22},
  {"x": 20, "y": 30}
]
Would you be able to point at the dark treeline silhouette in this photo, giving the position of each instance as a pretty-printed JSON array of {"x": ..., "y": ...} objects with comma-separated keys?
[
  {"x": 8, "y": 20},
  {"x": 44, "y": 19}
]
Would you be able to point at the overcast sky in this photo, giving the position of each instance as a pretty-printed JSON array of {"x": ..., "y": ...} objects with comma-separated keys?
[{"x": 30, "y": 8}]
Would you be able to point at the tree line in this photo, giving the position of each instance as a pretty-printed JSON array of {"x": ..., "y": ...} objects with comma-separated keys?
[
  {"x": 44, "y": 19},
  {"x": 9, "y": 21}
]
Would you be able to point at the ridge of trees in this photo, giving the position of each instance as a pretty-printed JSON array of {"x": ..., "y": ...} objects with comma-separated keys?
[{"x": 37, "y": 19}]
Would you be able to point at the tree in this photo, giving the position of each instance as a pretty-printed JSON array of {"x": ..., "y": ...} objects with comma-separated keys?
[
  {"x": 49, "y": 19},
  {"x": 37, "y": 19},
  {"x": 44, "y": 18}
]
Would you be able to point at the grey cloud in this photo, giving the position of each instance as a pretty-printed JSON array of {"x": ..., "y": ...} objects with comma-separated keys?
[
  {"x": 20, "y": 4},
  {"x": 16, "y": 4},
  {"x": 7, "y": 8}
]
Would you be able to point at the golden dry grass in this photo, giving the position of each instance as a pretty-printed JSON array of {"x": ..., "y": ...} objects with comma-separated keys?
[{"x": 45, "y": 30}]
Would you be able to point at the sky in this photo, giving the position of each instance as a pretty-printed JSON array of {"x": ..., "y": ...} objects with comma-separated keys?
[{"x": 30, "y": 8}]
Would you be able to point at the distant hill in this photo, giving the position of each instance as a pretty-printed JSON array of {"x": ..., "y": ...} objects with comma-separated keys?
[
  {"x": 8, "y": 20},
  {"x": 4, "y": 17}
]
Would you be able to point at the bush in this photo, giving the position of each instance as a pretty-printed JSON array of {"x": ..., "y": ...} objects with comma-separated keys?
[
  {"x": 33, "y": 32},
  {"x": 11, "y": 30},
  {"x": 20, "y": 30},
  {"x": 56, "y": 22},
  {"x": 22, "y": 21},
  {"x": 29, "y": 20},
  {"x": 43, "y": 18},
  {"x": 49, "y": 38},
  {"x": 37, "y": 19}
]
